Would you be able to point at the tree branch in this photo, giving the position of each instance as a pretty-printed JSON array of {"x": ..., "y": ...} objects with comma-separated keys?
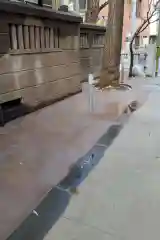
[
  {"x": 103, "y": 5},
  {"x": 148, "y": 23},
  {"x": 155, "y": 20},
  {"x": 144, "y": 27},
  {"x": 149, "y": 7}
]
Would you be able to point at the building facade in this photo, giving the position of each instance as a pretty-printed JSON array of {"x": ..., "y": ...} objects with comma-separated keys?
[
  {"x": 130, "y": 21},
  {"x": 140, "y": 13}
]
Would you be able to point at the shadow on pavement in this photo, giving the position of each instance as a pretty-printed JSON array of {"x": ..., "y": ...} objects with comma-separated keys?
[
  {"x": 42, "y": 219},
  {"x": 35, "y": 227}
]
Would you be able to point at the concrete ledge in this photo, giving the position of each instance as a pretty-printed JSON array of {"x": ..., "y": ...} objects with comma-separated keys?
[
  {"x": 92, "y": 27},
  {"x": 37, "y": 11}
]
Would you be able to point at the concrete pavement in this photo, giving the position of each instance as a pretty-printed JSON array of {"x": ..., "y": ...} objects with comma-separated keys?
[
  {"x": 37, "y": 151},
  {"x": 120, "y": 198}
]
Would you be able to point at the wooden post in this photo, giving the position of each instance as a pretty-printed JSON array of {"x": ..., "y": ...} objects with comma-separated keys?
[{"x": 113, "y": 41}]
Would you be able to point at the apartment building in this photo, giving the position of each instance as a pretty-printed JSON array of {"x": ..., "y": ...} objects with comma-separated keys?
[
  {"x": 153, "y": 28},
  {"x": 140, "y": 13},
  {"x": 141, "y": 8}
]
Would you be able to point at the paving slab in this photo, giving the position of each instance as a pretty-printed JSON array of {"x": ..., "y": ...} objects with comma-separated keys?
[
  {"x": 37, "y": 151},
  {"x": 68, "y": 229},
  {"x": 121, "y": 195}
]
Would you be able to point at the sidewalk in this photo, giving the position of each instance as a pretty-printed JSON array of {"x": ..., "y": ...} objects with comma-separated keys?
[
  {"x": 120, "y": 198},
  {"x": 37, "y": 151}
]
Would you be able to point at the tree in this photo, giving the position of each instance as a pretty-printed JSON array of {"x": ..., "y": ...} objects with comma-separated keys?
[
  {"x": 93, "y": 10},
  {"x": 145, "y": 23},
  {"x": 113, "y": 41}
]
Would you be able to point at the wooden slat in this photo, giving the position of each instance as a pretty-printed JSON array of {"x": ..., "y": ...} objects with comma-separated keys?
[
  {"x": 20, "y": 37},
  {"x": 46, "y": 37},
  {"x": 26, "y": 37},
  {"x": 37, "y": 37},
  {"x": 42, "y": 38},
  {"x": 51, "y": 40},
  {"x": 32, "y": 37},
  {"x": 14, "y": 37}
]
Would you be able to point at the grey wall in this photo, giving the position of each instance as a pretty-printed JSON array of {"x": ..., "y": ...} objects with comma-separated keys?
[{"x": 45, "y": 55}]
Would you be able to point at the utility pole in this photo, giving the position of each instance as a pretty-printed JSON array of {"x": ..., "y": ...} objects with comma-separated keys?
[{"x": 113, "y": 41}]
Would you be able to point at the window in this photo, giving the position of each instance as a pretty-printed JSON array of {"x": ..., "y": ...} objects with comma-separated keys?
[
  {"x": 82, "y": 4},
  {"x": 139, "y": 8},
  {"x": 137, "y": 41},
  {"x": 152, "y": 39}
]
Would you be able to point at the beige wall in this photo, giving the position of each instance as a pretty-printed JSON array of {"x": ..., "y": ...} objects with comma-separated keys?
[
  {"x": 39, "y": 57},
  {"x": 43, "y": 59}
]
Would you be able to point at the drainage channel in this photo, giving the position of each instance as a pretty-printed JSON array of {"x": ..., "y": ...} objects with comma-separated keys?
[{"x": 42, "y": 219}]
